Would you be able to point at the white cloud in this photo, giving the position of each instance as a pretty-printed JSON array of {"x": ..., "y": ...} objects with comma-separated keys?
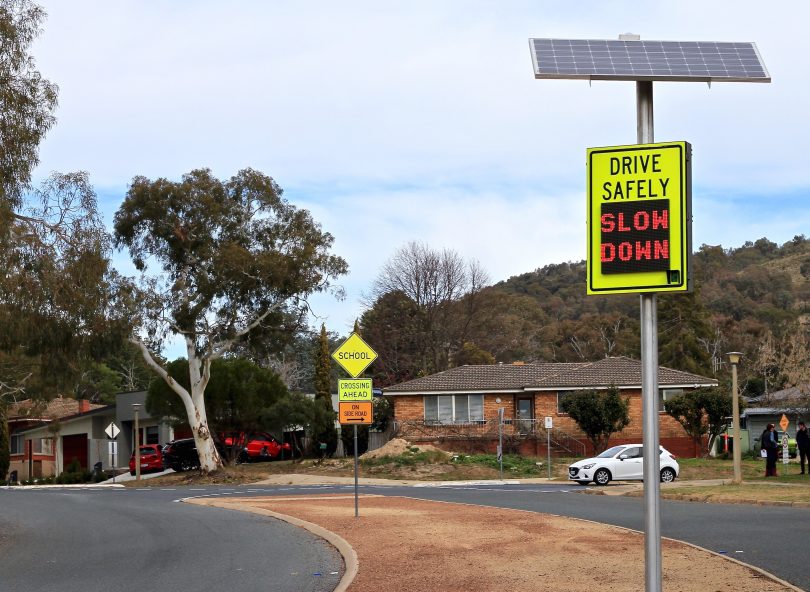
[{"x": 421, "y": 120}]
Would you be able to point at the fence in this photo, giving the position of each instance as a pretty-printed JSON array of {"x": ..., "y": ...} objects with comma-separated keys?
[{"x": 514, "y": 431}]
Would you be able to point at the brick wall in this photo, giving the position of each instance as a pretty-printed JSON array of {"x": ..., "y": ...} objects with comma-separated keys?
[{"x": 671, "y": 434}]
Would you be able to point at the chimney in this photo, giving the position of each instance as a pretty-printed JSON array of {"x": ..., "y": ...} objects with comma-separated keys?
[{"x": 84, "y": 405}]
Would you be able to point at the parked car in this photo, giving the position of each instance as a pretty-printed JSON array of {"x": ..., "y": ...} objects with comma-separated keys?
[
  {"x": 151, "y": 459},
  {"x": 181, "y": 455},
  {"x": 256, "y": 446},
  {"x": 620, "y": 463}
]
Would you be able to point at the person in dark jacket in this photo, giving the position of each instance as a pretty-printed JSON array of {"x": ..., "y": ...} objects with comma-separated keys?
[
  {"x": 770, "y": 446},
  {"x": 803, "y": 444}
]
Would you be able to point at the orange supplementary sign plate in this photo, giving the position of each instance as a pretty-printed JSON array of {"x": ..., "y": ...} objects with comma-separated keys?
[
  {"x": 356, "y": 412},
  {"x": 784, "y": 423}
]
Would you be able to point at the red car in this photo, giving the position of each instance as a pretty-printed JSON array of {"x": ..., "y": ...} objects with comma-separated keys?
[
  {"x": 151, "y": 459},
  {"x": 256, "y": 446}
]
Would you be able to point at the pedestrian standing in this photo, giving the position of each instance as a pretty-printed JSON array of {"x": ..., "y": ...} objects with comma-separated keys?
[
  {"x": 803, "y": 444},
  {"x": 770, "y": 446}
]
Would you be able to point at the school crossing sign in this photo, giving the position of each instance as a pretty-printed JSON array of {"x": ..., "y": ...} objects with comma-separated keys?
[
  {"x": 639, "y": 218},
  {"x": 354, "y": 355}
]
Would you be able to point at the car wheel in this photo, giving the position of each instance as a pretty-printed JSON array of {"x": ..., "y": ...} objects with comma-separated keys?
[
  {"x": 601, "y": 477},
  {"x": 132, "y": 473},
  {"x": 177, "y": 467},
  {"x": 583, "y": 482},
  {"x": 242, "y": 458},
  {"x": 667, "y": 475},
  {"x": 186, "y": 465}
]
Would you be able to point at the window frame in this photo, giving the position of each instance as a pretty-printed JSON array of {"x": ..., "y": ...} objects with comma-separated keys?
[
  {"x": 17, "y": 438},
  {"x": 433, "y": 406},
  {"x": 664, "y": 392},
  {"x": 560, "y": 396},
  {"x": 42, "y": 446},
  {"x": 152, "y": 434}
]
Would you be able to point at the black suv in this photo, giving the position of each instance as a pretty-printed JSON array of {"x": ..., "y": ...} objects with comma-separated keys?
[{"x": 181, "y": 455}]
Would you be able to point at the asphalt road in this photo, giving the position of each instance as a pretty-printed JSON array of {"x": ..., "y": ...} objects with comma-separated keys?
[
  {"x": 125, "y": 540},
  {"x": 80, "y": 529}
]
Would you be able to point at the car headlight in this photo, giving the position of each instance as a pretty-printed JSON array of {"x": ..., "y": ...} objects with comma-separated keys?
[{"x": 588, "y": 466}]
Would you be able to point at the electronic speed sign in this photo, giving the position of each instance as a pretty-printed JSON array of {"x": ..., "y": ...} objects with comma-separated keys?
[{"x": 639, "y": 218}]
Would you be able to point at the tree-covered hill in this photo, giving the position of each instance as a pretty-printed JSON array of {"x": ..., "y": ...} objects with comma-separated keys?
[{"x": 754, "y": 299}]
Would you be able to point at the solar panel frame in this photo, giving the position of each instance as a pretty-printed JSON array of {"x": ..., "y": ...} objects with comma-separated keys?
[{"x": 678, "y": 61}]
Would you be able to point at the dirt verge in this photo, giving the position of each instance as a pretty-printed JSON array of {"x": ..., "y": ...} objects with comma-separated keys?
[{"x": 409, "y": 545}]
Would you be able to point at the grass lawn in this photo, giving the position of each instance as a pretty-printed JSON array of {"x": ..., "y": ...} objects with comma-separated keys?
[
  {"x": 753, "y": 469},
  {"x": 748, "y": 492}
]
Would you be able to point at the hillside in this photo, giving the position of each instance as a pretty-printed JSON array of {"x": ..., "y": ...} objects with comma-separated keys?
[{"x": 754, "y": 298}]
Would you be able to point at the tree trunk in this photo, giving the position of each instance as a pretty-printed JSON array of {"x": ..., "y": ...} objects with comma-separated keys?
[
  {"x": 194, "y": 403},
  {"x": 210, "y": 459}
]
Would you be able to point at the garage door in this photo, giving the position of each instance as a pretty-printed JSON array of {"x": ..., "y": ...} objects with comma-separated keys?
[{"x": 75, "y": 447}]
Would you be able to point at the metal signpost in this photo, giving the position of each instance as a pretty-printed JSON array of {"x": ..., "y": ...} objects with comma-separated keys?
[
  {"x": 548, "y": 425},
  {"x": 136, "y": 407},
  {"x": 355, "y": 397},
  {"x": 622, "y": 252},
  {"x": 112, "y": 432},
  {"x": 736, "y": 453},
  {"x": 784, "y": 423},
  {"x": 500, "y": 439}
]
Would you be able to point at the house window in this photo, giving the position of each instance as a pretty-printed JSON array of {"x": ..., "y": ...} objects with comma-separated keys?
[
  {"x": 43, "y": 446},
  {"x": 152, "y": 435},
  {"x": 665, "y": 395},
  {"x": 560, "y": 396},
  {"x": 17, "y": 444},
  {"x": 454, "y": 408}
]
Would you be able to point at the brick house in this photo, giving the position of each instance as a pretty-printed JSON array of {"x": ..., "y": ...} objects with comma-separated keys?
[
  {"x": 36, "y": 456},
  {"x": 45, "y": 439},
  {"x": 458, "y": 409}
]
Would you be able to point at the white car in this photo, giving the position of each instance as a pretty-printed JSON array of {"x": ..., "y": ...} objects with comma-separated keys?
[{"x": 620, "y": 463}]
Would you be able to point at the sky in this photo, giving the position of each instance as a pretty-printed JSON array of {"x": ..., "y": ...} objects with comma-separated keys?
[{"x": 421, "y": 120}]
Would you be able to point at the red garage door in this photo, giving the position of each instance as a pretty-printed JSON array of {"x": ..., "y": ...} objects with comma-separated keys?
[{"x": 75, "y": 447}]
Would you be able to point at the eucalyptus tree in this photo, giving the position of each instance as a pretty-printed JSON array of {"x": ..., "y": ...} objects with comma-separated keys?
[
  {"x": 236, "y": 396},
  {"x": 27, "y": 101},
  {"x": 57, "y": 291},
  {"x": 62, "y": 305},
  {"x": 232, "y": 260}
]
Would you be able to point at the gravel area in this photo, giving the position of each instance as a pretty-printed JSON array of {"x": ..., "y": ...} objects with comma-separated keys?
[{"x": 409, "y": 545}]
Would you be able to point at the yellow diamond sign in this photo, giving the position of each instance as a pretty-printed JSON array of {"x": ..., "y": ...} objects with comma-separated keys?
[
  {"x": 784, "y": 423},
  {"x": 354, "y": 355}
]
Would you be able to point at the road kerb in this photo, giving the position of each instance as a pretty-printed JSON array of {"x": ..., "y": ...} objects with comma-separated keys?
[{"x": 348, "y": 553}]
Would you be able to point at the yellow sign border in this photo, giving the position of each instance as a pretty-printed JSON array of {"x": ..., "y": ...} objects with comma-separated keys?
[{"x": 680, "y": 221}]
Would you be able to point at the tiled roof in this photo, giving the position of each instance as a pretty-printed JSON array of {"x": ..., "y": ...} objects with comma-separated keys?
[
  {"x": 788, "y": 394},
  {"x": 619, "y": 371},
  {"x": 56, "y": 409}
]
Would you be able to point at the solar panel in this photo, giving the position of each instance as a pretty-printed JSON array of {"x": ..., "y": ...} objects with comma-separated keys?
[{"x": 686, "y": 61}]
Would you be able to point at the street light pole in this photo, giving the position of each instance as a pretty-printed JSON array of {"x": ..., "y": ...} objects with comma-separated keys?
[
  {"x": 734, "y": 358},
  {"x": 136, "y": 407}
]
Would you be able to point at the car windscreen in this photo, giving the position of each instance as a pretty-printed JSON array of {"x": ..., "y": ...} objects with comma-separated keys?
[{"x": 611, "y": 452}]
